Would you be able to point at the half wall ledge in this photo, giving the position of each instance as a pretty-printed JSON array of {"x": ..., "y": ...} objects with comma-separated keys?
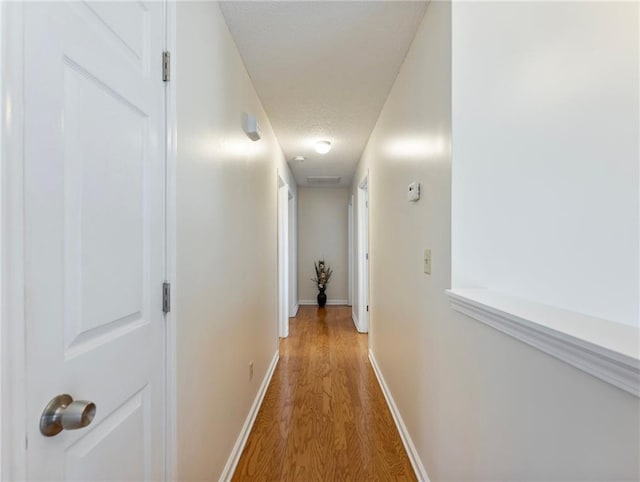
[{"x": 607, "y": 350}]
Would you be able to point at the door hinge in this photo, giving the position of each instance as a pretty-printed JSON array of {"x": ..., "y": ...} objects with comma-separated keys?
[
  {"x": 166, "y": 297},
  {"x": 166, "y": 66},
  {"x": 367, "y": 308},
  {"x": 366, "y": 256}
]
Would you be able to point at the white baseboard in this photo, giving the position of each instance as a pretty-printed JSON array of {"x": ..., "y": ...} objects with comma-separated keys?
[
  {"x": 295, "y": 311},
  {"x": 414, "y": 458},
  {"x": 329, "y": 302},
  {"x": 234, "y": 457}
]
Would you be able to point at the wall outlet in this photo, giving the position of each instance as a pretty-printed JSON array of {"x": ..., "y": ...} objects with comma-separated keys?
[
  {"x": 427, "y": 261},
  {"x": 251, "y": 370}
]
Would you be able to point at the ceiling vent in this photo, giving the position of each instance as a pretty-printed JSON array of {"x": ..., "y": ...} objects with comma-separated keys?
[{"x": 323, "y": 180}]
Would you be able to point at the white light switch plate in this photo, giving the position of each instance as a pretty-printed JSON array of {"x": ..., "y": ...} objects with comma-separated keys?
[
  {"x": 427, "y": 261},
  {"x": 413, "y": 193}
]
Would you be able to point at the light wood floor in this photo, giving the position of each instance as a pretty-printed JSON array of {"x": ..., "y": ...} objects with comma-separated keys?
[{"x": 324, "y": 417}]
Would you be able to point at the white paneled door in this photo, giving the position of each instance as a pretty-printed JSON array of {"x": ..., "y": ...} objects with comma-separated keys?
[{"x": 95, "y": 236}]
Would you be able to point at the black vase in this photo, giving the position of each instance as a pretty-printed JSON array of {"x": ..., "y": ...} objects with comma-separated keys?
[{"x": 322, "y": 298}]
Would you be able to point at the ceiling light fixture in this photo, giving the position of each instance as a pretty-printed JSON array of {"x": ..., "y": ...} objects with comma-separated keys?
[
  {"x": 322, "y": 147},
  {"x": 299, "y": 159}
]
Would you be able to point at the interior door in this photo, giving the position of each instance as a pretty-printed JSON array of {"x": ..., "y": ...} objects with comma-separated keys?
[{"x": 94, "y": 236}]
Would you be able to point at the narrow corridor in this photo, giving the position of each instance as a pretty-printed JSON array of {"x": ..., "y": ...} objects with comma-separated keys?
[{"x": 324, "y": 416}]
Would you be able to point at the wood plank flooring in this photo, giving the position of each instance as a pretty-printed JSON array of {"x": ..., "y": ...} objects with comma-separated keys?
[{"x": 324, "y": 417}]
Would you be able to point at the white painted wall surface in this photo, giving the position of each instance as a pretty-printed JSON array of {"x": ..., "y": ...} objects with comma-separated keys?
[
  {"x": 322, "y": 232},
  {"x": 545, "y": 146},
  {"x": 478, "y": 404},
  {"x": 226, "y": 300}
]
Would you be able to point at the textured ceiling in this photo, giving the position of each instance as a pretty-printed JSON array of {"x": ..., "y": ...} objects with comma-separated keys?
[{"x": 323, "y": 71}]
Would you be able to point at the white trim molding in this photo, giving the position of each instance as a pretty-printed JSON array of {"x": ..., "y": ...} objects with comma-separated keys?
[
  {"x": 236, "y": 452},
  {"x": 356, "y": 323},
  {"x": 412, "y": 452},
  {"x": 604, "y": 349},
  {"x": 13, "y": 396},
  {"x": 330, "y": 302},
  {"x": 171, "y": 355},
  {"x": 363, "y": 252}
]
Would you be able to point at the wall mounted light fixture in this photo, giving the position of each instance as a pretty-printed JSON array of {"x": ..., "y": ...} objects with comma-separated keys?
[{"x": 250, "y": 127}]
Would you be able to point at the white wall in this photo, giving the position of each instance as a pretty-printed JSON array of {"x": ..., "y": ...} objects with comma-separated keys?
[
  {"x": 226, "y": 300},
  {"x": 322, "y": 232},
  {"x": 478, "y": 404},
  {"x": 545, "y": 173}
]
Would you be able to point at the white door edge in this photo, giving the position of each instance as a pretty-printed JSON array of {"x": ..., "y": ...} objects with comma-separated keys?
[{"x": 12, "y": 301}]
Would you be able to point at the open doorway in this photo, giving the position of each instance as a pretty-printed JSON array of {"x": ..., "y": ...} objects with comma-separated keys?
[
  {"x": 363, "y": 255},
  {"x": 284, "y": 198}
]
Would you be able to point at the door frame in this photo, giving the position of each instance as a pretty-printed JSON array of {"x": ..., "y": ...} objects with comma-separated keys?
[
  {"x": 13, "y": 434},
  {"x": 350, "y": 250},
  {"x": 363, "y": 251},
  {"x": 283, "y": 256},
  {"x": 12, "y": 299},
  {"x": 171, "y": 139},
  {"x": 293, "y": 256}
]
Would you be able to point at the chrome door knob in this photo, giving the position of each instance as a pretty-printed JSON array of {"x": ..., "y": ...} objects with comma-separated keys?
[{"x": 63, "y": 413}]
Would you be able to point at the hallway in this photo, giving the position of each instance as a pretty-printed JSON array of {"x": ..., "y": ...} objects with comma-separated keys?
[
  {"x": 173, "y": 175},
  {"x": 324, "y": 416}
]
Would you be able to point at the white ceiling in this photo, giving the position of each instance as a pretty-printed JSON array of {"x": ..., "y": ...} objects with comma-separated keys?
[{"x": 323, "y": 71}]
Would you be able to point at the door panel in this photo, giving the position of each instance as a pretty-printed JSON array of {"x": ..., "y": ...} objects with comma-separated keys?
[
  {"x": 94, "y": 235},
  {"x": 128, "y": 24},
  {"x": 118, "y": 437},
  {"x": 104, "y": 229}
]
